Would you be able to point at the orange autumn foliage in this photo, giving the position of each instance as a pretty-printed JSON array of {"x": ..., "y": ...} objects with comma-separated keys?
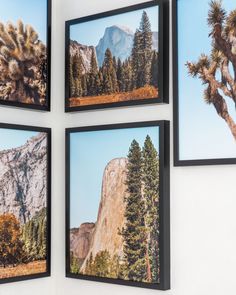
[{"x": 11, "y": 246}]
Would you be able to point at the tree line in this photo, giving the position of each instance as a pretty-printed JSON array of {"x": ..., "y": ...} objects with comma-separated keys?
[
  {"x": 115, "y": 76},
  {"x": 22, "y": 244}
]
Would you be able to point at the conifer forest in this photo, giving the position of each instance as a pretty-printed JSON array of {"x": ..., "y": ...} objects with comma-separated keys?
[{"x": 134, "y": 77}]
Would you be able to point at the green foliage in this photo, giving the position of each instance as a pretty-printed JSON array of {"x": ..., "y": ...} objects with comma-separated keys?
[
  {"x": 134, "y": 232},
  {"x": 109, "y": 74},
  {"x": 154, "y": 69},
  {"x": 141, "y": 231},
  {"x": 152, "y": 215},
  {"x": 103, "y": 265},
  {"x": 34, "y": 235},
  {"x": 74, "y": 264}
]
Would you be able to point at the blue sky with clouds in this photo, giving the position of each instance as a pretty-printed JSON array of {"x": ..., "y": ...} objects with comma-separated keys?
[
  {"x": 31, "y": 12},
  {"x": 203, "y": 134},
  {"x": 12, "y": 138},
  {"x": 89, "y": 33},
  {"x": 90, "y": 153}
]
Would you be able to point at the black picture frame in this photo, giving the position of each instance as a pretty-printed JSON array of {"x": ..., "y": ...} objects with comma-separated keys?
[
  {"x": 163, "y": 64},
  {"x": 47, "y": 106},
  {"x": 47, "y": 273},
  {"x": 177, "y": 160},
  {"x": 164, "y": 204}
]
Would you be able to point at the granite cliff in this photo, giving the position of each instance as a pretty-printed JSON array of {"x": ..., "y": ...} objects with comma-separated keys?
[
  {"x": 23, "y": 178},
  {"x": 104, "y": 234}
]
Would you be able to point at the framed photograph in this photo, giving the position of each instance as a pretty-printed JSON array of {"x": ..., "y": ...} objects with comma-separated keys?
[
  {"x": 204, "y": 82},
  {"x": 117, "y": 204},
  {"x": 25, "y": 202},
  {"x": 123, "y": 60},
  {"x": 25, "y": 42}
]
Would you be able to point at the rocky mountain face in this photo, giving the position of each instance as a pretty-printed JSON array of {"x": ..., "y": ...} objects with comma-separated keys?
[
  {"x": 84, "y": 51},
  {"x": 23, "y": 178},
  {"x": 80, "y": 240},
  {"x": 104, "y": 234},
  {"x": 119, "y": 40}
]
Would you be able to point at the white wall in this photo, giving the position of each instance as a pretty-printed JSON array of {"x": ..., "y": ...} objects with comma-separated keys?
[{"x": 203, "y": 199}]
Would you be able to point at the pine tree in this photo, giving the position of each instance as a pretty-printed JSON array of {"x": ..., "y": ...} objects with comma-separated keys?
[
  {"x": 142, "y": 53},
  {"x": 134, "y": 232},
  {"x": 146, "y": 47},
  {"x": 137, "y": 61},
  {"x": 152, "y": 219},
  {"x": 77, "y": 74},
  {"x": 127, "y": 76},
  {"x": 109, "y": 74},
  {"x": 74, "y": 265},
  {"x": 93, "y": 75},
  {"x": 154, "y": 69},
  {"x": 84, "y": 85},
  {"x": 71, "y": 78},
  {"x": 119, "y": 74}
]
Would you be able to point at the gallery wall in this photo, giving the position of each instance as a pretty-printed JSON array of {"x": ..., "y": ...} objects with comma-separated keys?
[{"x": 203, "y": 199}]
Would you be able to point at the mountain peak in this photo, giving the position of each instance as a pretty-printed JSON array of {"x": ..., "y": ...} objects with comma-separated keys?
[{"x": 122, "y": 28}]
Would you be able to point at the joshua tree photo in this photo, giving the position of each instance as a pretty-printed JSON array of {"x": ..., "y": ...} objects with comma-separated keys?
[
  {"x": 218, "y": 70},
  {"x": 23, "y": 66}
]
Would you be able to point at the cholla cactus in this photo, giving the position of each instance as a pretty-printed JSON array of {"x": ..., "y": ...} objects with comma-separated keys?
[
  {"x": 218, "y": 71},
  {"x": 22, "y": 64}
]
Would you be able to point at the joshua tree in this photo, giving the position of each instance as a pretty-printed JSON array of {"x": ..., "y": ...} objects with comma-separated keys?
[
  {"x": 22, "y": 64},
  {"x": 218, "y": 71}
]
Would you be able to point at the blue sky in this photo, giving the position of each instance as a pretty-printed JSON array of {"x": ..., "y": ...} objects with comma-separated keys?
[
  {"x": 90, "y": 153},
  {"x": 203, "y": 134},
  {"x": 11, "y": 138},
  {"x": 89, "y": 33},
  {"x": 31, "y": 12}
]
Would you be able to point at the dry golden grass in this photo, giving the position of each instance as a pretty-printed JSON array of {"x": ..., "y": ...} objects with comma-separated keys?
[
  {"x": 147, "y": 92},
  {"x": 23, "y": 269}
]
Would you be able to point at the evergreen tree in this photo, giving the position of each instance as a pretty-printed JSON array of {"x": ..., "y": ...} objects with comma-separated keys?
[
  {"x": 34, "y": 236},
  {"x": 74, "y": 265},
  {"x": 84, "y": 85},
  {"x": 109, "y": 74},
  {"x": 154, "y": 69},
  {"x": 134, "y": 232},
  {"x": 93, "y": 75},
  {"x": 101, "y": 264},
  {"x": 119, "y": 74},
  {"x": 142, "y": 53},
  {"x": 127, "y": 76},
  {"x": 137, "y": 61},
  {"x": 146, "y": 47},
  {"x": 71, "y": 78},
  {"x": 77, "y": 73},
  {"x": 152, "y": 218}
]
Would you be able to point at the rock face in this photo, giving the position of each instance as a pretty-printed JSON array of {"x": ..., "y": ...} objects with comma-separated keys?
[
  {"x": 23, "y": 178},
  {"x": 111, "y": 211},
  {"x": 80, "y": 240},
  {"x": 84, "y": 51},
  {"x": 119, "y": 40}
]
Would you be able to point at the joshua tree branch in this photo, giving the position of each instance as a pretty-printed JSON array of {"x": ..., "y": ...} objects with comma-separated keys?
[{"x": 222, "y": 45}]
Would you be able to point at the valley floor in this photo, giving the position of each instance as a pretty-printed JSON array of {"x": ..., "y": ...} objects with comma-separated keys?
[
  {"x": 147, "y": 92},
  {"x": 23, "y": 269}
]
